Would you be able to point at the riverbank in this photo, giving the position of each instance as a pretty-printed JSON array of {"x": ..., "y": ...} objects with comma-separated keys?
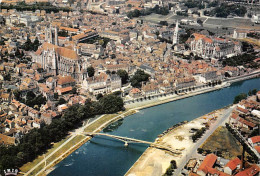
[
  {"x": 98, "y": 125},
  {"x": 155, "y": 161}
]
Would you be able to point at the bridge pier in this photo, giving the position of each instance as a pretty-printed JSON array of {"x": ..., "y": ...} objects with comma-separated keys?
[{"x": 126, "y": 144}]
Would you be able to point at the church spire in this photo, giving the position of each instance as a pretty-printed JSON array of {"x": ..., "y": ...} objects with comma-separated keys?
[
  {"x": 56, "y": 36},
  {"x": 175, "y": 38}
]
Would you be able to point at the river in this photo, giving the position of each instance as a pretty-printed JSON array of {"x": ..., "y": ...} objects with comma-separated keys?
[{"x": 107, "y": 157}]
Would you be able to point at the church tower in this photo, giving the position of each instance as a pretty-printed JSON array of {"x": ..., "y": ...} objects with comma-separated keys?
[
  {"x": 56, "y": 36},
  {"x": 175, "y": 38}
]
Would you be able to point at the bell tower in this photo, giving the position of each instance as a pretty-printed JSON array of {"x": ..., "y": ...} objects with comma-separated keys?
[{"x": 175, "y": 38}]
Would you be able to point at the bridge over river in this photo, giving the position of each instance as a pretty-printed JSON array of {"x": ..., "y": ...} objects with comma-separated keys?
[{"x": 128, "y": 140}]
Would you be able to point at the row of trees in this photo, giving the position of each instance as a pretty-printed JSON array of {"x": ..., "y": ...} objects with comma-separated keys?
[
  {"x": 157, "y": 9},
  {"x": 255, "y": 35},
  {"x": 198, "y": 134},
  {"x": 31, "y": 46},
  {"x": 37, "y": 141},
  {"x": 32, "y": 100},
  {"x": 193, "y": 4},
  {"x": 246, "y": 60},
  {"x": 225, "y": 9},
  {"x": 243, "y": 96}
]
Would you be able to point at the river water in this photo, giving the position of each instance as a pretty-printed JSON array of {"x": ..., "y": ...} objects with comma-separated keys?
[{"x": 108, "y": 157}]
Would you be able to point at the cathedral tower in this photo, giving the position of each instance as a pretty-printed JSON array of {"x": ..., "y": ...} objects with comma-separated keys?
[
  {"x": 56, "y": 36},
  {"x": 175, "y": 38}
]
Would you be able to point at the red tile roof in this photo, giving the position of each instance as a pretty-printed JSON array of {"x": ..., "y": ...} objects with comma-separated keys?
[
  {"x": 135, "y": 90},
  {"x": 65, "y": 80},
  {"x": 66, "y": 89},
  {"x": 209, "y": 161},
  {"x": 242, "y": 109},
  {"x": 67, "y": 53},
  {"x": 232, "y": 164},
  {"x": 257, "y": 148},
  {"x": 255, "y": 139},
  {"x": 253, "y": 170},
  {"x": 247, "y": 123}
]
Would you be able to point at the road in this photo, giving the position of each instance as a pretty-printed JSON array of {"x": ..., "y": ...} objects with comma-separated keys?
[
  {"x": 213, "y": 127},
  {"x": 72, "y": 135}
]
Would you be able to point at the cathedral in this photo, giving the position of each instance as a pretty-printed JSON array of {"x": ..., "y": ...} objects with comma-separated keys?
[{"x": 56, "y": 59}]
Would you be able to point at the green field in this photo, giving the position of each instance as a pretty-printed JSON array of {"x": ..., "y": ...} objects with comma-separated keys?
[{"x": 222, "y": 140}]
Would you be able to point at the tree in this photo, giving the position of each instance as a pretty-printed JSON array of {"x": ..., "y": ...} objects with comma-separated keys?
[
  {"x": 36, "y": 44},
  {"x": 55, "y": 96},
  {"x": 7, "y": 77},
  {"x": 239, "y": 97},
  {"x": 200, "y": 150},
  {"x": 17, "y": 94},
  {"x": 254, "y": 91},
  {"x": 18, "y": 53},
  {"x": 199, "y": 21},
  {"x": 99, "y": 96},
  {"x": 249, "y": 93},
  {"x": 91, "y": 71},
  {"x": 111, "y": 103},
  {"x": 123, "y": 75},
  {"x": 30, "y": 95},
  {"x": 139, "y": 76},
  {"x": 28, "y": 45},
  {"x": 173, "y": 164},
  {"x": 61, "y": 101},
  {"x": 163, "y": 23},
  {"x": 63, "y": 33},
  {"x": 74, "y": 90}
]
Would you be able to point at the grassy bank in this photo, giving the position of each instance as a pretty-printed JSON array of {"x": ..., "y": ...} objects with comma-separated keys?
[
  {"x": 224, "y": 142},
  {"x": 73, "y": 144}
]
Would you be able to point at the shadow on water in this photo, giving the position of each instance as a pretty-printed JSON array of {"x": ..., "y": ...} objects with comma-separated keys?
[
  {"x": 238, "y": 84},
  {"x": 112, "y": 127}
]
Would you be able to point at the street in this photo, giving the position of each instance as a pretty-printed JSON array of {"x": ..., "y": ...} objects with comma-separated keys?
[{"x": 213, "y": 127}]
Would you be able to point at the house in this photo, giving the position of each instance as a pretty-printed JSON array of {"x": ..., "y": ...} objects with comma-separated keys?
[
  {"x": 242, "y": 110},
  {"x": 64, "y": 90},
  {"x": 91, "y": 50},
  {"x": 62, "y": 107},
  {"x": 207, "y": 163},
  {"x": 150, "y": 89},
  {"x": 240, "y": 34},
  {"x": 48, "y": 116},
  {"x": 233, "y": 118},
  {"x": 65, "y": 81},
  {"x": 185, "y": 82},
  {"x": 251, "y": 171},
  {"x": 246, "y": 124},
  {"x": 254, "y": 141},
  {"x": 77, "y": 100},
  {"x": 135, "y": 93},
  {"x": 7, "y": 140},
  {"x": 116, "y": 82},
  {"x": 232, "y": 166},
  {"x": 51, "y": 82},
  {"x": 102, "y": 83}
]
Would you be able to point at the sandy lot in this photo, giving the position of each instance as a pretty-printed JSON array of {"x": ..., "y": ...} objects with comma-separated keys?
[{"x": 154, "y": 161}]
